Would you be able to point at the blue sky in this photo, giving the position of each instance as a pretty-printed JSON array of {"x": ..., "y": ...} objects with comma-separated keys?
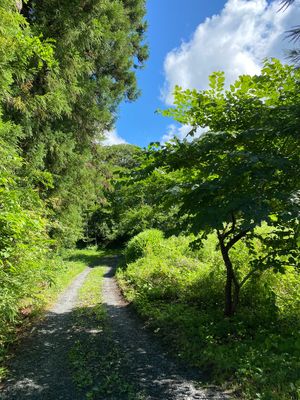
[
  {"x": 190, "y": 39},
  {"x": 169, "y": 21}
]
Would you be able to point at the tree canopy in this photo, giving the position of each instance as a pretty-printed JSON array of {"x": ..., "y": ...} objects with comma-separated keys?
[
  {"x": 69, "y": 67},
  {"x": 243, "y": 170}
]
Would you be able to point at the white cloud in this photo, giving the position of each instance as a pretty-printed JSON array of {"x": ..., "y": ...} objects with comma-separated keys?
[
  {"x": 235, "y": 41},
  {"x": 173, "y": 130},
  {"x": 112, "y": 137},
  {"x": 181, "y": 132}
]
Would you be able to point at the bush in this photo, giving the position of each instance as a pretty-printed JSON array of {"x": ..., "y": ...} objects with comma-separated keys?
[
  {"x": 144, "y": 243},
  {"x": 180, "y": 293},
  {"x": 24, "y": 241}
]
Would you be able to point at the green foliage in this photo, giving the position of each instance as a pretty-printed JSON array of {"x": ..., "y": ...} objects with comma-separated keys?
[
  {"x": 147, "y": 203},
  {"x": 252, "y": 145},
  {"x": 124, "y": 206},
  {"x": 243, "y": 171},
  {"x": 23, "y": 222},
  {"x": 64, "y": 71},
  {"x": 104, "y": 221},
  {"x": 180, "y": 294},
  {"x": 144, "y": 243},
  {"x": 24, "y": 241}
]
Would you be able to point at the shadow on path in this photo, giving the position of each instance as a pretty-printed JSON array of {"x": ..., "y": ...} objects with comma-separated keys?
[
  {"x": 92, "y": 260},
  {"x": 41, "y": 368},
  {"x": 152, "y": 370}
]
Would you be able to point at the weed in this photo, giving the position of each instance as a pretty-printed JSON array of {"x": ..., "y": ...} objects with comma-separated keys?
[
  {"x": 180, "y": 294},
  {"x": 99, "y": 365}
]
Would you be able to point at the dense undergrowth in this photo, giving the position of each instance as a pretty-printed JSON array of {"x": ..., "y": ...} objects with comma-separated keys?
[
  {"x": 180, "y": 293},
  {"x": 52, "y": 276}
]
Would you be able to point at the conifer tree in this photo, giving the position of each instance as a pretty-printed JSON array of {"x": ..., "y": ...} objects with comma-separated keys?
[{"x": 65, "y": 106}]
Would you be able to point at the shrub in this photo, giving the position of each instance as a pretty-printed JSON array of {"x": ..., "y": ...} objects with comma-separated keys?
[
  {"x": 146, "y": 242},
  {"x": 180, "y": 294}
]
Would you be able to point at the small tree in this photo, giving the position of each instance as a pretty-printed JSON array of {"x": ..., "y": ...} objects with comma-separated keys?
[{"x": 244, "y": 170}]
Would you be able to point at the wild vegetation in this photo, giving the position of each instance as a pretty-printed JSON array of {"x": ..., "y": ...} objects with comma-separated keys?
[
  {"x": 64, "y": 68},
  {"x": 179, "y": 292},
  {"x": 226, "y": 293},
  {"x": 210, "y": 223}
]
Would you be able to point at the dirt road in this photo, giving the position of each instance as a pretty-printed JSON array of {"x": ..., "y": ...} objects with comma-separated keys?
[{"x": 40, "y": 368}]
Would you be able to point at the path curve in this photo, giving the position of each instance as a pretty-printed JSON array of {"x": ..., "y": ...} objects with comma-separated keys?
[
  {"x": 152, "y": 370},
  {"x": 39, "y": 370}
]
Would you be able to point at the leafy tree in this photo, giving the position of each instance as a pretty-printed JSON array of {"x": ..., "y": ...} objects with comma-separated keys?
[
  {"x": 126, "y": 206},
  {"x": 23, "y": 216},
  {"x": 244, "y": 169},
  {"x": 83, "y": 57},
  {"x": 102, "y": 218}
]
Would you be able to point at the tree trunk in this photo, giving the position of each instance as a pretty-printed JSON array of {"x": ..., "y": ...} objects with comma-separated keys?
[
  {"x": 228, "y": 311},
  {"x": 236, "y": 297},
  {"x": 232, "y": 287},
  {"x": 24, "y": 8}
]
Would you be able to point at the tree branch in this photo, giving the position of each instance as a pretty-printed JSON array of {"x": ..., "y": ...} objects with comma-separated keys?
[
  {"x": 232, "y": 229},
  {"x": 285, "y": 4},
  {"x": 236, "y": 238}
]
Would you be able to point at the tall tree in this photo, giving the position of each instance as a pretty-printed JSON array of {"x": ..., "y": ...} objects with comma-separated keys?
[
  {"x": 244, "y": 170},
  {"x": 23, "y": 222},
  {"x": 65, "y": 107}
]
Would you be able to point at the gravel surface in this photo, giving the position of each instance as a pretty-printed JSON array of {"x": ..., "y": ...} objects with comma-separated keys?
[
  {"x": 40, "y": 367},
  {"x": 152, "y": 370}
]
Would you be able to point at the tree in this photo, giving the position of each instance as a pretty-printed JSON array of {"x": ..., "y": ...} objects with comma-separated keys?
[
  {"x": 69, "y": 93},
  {"x": 102, "y": 222},
  {"x": 126, "y": 206},
  {"x": 244, "y": 169},
  {"x": 23, "y": 216}
]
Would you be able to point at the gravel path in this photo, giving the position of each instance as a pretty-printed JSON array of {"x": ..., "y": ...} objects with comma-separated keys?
[
  {"x": 154, "y": 373},
  {"x": 39, "y": 369}
]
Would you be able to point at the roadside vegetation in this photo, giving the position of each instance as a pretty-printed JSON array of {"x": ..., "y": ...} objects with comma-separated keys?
[
  {"x": 225, "y": 289},
  {"x": 211, "y": 222},
  {"x": 180, "y": 293}
]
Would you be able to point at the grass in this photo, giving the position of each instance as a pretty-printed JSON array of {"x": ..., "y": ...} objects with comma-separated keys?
[
  {"x": 64, "y": 269},
  {"x": 99, "y": 366},
  {"x": 256, "y": 354},
  {"x": 69, "y": 267}
]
